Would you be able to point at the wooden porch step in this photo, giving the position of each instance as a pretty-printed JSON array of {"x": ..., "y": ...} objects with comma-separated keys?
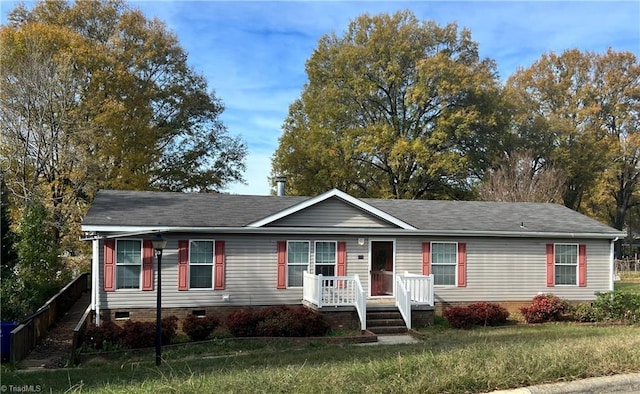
[
  {"x": 385, "y": 320},
  {"x": 384, "y": 315},
  {"x": 388, "y": 330}
]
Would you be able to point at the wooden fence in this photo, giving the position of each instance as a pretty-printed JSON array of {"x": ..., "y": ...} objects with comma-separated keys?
[
  {"x": 25, "y": 337},
  {"x": 627, "y": 265},
  {"x": 78, "y": 333}
]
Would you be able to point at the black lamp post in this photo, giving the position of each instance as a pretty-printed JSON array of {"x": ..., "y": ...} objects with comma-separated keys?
[{"x": 158, "y": 244}]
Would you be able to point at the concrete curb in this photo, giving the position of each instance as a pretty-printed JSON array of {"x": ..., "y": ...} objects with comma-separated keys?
[{"x": 627, "y": 383}]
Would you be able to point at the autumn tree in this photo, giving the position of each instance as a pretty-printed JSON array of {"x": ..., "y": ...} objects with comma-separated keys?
[
  {"x": 8, "y": 257},
  {"x": 94, "y": 95},
  {"x": 617, "y": 81},
  {"x": 395, "y": 108},
  {"x": 522, "y": 176},
  {"x": 580, "y": 112},
  {"x": 39, "y": 272},
  {"x": 43, "y": 140}
]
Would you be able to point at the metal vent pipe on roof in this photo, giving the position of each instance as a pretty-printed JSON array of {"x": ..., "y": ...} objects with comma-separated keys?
[{"x": 280, "y": 182}]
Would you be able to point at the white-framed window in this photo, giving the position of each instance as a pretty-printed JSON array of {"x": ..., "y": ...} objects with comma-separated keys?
[
  {"x": 326, "y": 256},
  {"x": 297, "y": 262},
  {"x": 128, "y": 263},
  {"x": 444, "y": 261},
  {"x": 201, "y": 257},
  {"x": 566, "y": 264}
]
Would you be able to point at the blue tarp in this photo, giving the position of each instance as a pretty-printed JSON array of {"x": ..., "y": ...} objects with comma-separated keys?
[{"x": 5, "y": 338}]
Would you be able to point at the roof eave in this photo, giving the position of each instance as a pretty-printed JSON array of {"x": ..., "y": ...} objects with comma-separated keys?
[{"x": 141, "y": 230}]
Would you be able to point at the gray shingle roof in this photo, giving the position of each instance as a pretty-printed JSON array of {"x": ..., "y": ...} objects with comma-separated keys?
[
  {"x": 490, "y": 216},
  {"x": 135, "y": 208},
  {"x": 162, "y": 209}
]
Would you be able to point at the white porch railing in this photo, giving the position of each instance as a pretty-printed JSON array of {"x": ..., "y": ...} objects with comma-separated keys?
[
  {"x": 412, "y": 289},
  {"x": 361, "y": 303},
  {"x": 403, "y": 301},
  {"x": 310, "y": 288},
  {"x": 335, "y": 291},
  {"x": 420, "y": 288}
]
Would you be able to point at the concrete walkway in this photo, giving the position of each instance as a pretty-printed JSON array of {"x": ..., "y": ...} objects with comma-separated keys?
[
  {"x": 391, "y": 340},
  {"x": 54, "y": 350}
]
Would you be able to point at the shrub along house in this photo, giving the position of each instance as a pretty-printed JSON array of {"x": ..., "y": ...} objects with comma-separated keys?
[{"x": 337, "y": 253}]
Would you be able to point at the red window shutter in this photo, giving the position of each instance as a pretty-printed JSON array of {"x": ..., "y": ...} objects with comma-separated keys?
[
  {"x": 426, "y": 258},
  {"x": 147, "y": 265},
  {"x": 462, "y": 265},
  {"x": 582, "y": 265},
  {"x": 342, "y": 259},
  {"x": 183, "y": 265},
  {"x": 282, "y": 265},
  {"x": 109, "y": 265},
  {"x": 219, "y": 266},
  {"x": 551, "y": 271}
]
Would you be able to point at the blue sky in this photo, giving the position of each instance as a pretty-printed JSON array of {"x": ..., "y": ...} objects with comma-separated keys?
[{"x": 253, "y": 53}]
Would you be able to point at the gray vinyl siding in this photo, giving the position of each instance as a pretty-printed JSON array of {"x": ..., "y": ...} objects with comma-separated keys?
[
  {"x": 511, "y": 269},
  {"x": 497, "y": 270},
  {"x": 331, "y": 213},
  {"x": 250, "y": 275}
]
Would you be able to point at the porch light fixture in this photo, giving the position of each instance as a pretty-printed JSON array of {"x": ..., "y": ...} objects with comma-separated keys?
[
  {"x": 361, "y": 241},
  {"x": 159, "y": 243}
]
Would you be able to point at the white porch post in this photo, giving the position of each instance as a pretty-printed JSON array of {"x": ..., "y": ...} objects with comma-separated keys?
[
  {"x": 612, "y": 263},
  {"x": 95, "y": 280},
  {"x": 319, "y": 290}
]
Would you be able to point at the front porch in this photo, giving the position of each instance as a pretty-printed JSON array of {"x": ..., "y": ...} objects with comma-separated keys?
[{"x": 413, "y": 293}]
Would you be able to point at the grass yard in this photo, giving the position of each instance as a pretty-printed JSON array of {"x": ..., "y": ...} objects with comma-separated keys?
[
  {"x": 630, "y": 275},
  {"x": 628, "y": 285},
  {"x": 449, "y": 361}
]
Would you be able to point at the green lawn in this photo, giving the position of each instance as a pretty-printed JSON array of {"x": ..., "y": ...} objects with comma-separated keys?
[
  {"x": 632, "y": 286},
  {"x": 445, "y": 360}
]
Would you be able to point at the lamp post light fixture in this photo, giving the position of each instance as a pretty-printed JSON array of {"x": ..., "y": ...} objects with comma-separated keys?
[{"x": 159, "y": 243}]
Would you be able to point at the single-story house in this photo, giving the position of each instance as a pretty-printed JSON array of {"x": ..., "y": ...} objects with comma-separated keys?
[{"x": 336, "y": 252}]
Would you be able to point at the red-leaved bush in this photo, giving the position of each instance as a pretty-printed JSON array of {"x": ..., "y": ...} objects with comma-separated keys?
[
  {"x": 478, "y": 314},
  {"x": 169, "y": 329},
  {"x": 138, "y": 334},
  {"x": 278, "y": 321},
  {"x": 199, "y": 328},
  {"x": 489, "y": 314},
  {"x": 99, "y": 337},
  {"x": 243, "y": 323},
  {"x": 544, "y": 308},
  {"x": 460, "y": 317},
  {"x": 143, "y": 334}
]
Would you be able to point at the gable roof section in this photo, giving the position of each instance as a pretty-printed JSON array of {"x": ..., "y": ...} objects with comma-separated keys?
[
  {"x": 332, "y": 212},
  {"x": 335, "y": 193}
]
